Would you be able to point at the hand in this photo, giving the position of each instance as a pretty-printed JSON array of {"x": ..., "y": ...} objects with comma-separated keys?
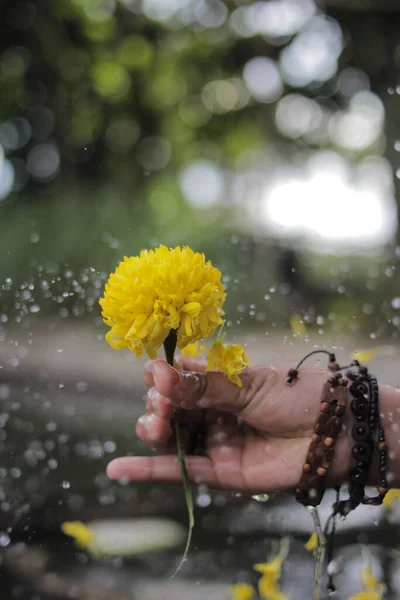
[{"x": 257, "y": 435}]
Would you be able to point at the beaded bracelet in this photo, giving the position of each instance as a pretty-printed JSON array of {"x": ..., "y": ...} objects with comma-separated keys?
[
  {"x": 311, "y": 487},
  {"x": 365, "y": 407}
]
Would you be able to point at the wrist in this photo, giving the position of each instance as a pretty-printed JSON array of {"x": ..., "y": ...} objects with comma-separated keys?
[{"x": 389, "y": 413}]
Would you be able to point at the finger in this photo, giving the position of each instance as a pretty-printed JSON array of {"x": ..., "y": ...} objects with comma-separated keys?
[
  {"x": 181, "y": 362},
  {"x": 148, "y": 372},
  {"x": 152, "y": 429},
  {"x": 158, "y": 404},
  {"x": 190, "y": 390},
  {"x": 163, "y": 468}
]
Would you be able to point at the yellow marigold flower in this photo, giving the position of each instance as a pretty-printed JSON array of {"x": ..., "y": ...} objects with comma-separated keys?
[
  {"x": 158, "y": 291},
  {"x": 194, "y": 350},
  {"x": 312, "y": 543},
  {"x": 230, "y": 359},
  {"x": 81, "y": 533},
  {"x": 391, "y": 497},
  {"x": 242, "y": 591}
]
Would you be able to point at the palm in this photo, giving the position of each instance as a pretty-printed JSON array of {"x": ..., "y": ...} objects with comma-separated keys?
[{"x": 248, "y": 459}]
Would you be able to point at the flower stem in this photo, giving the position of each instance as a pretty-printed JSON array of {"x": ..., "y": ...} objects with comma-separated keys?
[
  {"x": 320, "y": 551},
  {"x": 169, "y": 349}
]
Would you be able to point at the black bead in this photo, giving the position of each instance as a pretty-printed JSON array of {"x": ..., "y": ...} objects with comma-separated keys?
[
  {"x": 358, "y": 475},
  {"x": 359, "y": 406},
  {"x": 361, "y": 451},
  {"x": 360, "y": 431}
]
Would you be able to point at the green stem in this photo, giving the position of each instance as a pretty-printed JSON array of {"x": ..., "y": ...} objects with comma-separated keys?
[{"x": 169, "y": 349}]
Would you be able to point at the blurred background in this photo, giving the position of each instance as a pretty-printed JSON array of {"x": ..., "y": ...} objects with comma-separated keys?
[{"x": 265, "y": 134}]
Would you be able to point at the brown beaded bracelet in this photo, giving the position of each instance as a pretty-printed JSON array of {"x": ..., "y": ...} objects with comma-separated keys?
[{"x": 311, "y": 487}]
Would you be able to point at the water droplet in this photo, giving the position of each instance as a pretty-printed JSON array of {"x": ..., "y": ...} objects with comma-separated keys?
[
  {"x": 5, "y": 391},
  {"x": 82, "y": 386},
  {"x": 203, "y": 500},
  {"x": 109, "y": 446},
  {"x": 4, "y": 539},
  {"x": 261, "y": 497},
  {"x": 396, "y": 302},
  {"x": 65, "y": 485}
]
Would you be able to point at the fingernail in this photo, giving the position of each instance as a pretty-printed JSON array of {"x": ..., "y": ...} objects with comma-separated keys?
[
  {"x": 163, "y": 369},
  {"x": 147, "y": 421},
  {"x": 150, "y": 364}
]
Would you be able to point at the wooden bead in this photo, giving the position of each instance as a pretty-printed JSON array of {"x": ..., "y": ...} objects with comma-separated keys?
[
  {"x": 382, "y": 491},
  {"x": 293, "y": 373},
  {"x": 382, "y": 446},
  {"x": 324, "y": 407},
  {"x": 316, "y": 437},
  {"x": 321, "y": 472},
  {"x": 340, "y": 410},
  {"x": 329, "y": 441},
  {"x": 306, "y": 467},
  {"x": 343, "y": 382},
  {"x": 334, "y": 427}
]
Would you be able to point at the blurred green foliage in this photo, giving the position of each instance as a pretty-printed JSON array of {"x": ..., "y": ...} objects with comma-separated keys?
[{"x": 117, "y": 97}]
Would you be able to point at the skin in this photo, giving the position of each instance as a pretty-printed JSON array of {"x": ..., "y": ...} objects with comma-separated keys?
[{"x": 257, "y": 435}]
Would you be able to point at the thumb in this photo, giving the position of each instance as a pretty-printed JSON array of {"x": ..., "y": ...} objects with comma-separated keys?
[{"x": 191, "y": 390}]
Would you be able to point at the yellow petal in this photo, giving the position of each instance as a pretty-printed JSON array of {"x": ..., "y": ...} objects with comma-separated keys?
[
  {"x": 391, "y": 497},
  {"x": 195, "y": 350},
  {"x": 365, "y": 355},
  {"x": 81, "y": 533},
  {"x": 242, "y": 591},
  {"x": 370, "y": 582},
  {"x": 115, "y": 340},
  {"x": 192, "y": 308},
  {"x": 230, "y": 359},
  {"x": 312, "y": 543},
  {"x": 297, "y": 325},
  {"x": 366, "y": 596}
]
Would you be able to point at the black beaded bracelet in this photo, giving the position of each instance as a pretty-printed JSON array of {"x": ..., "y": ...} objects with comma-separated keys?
[{"x": 365, "y": 407}]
